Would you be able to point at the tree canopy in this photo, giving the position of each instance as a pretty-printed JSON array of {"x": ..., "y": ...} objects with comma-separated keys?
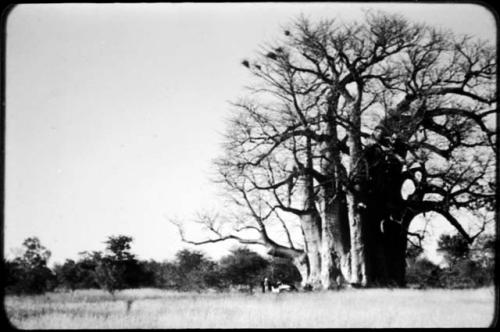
[{"x": 340, "y": 117}]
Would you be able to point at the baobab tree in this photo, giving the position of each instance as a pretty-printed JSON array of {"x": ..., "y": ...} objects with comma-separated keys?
[{"x": 340, "y": 117}]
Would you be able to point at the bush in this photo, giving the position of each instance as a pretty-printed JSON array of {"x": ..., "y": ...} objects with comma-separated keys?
[
  {"x": 466, "y": 274},
  {"x": 469, "y": 265},
  {"x": 243, "y": 267},
  {"x": 22, "y": 279},
  {"x": 193, "y": 271},
  {"x": 283, "y": 270},
  {"x": 424, "y": 273},
  {"x": 29, "y": 274}
]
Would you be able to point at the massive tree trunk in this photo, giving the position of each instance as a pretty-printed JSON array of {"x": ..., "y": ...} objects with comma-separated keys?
[
  {"x": 364, "y": 228},
  {"x": 385, "y": 242},
  {"x": 336, "y": 256},
  {"x": 335, "y": 250},
  {"x": 311, "y": 225},
  {"x": 386, "y": 219},
  {"x": 326, "y": 238},
  {"x": 355, "y": 205}
]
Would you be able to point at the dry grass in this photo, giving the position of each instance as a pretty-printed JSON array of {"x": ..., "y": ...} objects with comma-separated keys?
[{"x": 151, "y": 308}]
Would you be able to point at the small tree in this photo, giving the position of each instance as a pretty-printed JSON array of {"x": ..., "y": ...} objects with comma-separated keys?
[
  {"x": 412, "y": 253},
  {"x": 119, "y": 248},
  {"x": 118, "y": 267},
  {"x": 483, "y": 251},
  {"x": 67, "y": 274},
  {"x": 194, "y": 270},
  {"x": 86, "y": 269},
  {"x": 163, "y": 275},
  {"x": 13, "y": 273},
  {"x": 454, "y": 247},
  {"x": 35, "y": 255},
  {"x": 469, "y": 265},
  {"x": 109, "y": 275},
  {"x": 243, "y": 267},
  {"x": 424, "y": 273},
  {"x": 29, "y": 273}
]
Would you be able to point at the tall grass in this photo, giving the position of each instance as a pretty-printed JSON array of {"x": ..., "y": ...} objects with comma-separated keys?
[{"x": 151, "y": 308}]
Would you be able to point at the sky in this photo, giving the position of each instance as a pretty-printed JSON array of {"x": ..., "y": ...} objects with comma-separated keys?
[{"x": 114, "y": 112}]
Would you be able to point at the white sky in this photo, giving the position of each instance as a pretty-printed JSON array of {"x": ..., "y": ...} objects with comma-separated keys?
[{"x": 114, "y": 111}]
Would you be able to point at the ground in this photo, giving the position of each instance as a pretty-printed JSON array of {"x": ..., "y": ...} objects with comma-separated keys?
[{"x": 152, "y": 308}]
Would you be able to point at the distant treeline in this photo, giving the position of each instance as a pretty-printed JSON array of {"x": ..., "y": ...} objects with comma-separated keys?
[{"x": 117, "y": 268}]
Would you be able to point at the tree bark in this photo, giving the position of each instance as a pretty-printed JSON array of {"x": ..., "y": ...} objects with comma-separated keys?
[
  {"x": 311, "y": 227},
  {"x": 335, "y": 253},
  {"x": 311, "y": 224},
  {"x": 354, "y": 204},
  {"x": 386, "y": 219},
  {"x": 335, "y": 249}
]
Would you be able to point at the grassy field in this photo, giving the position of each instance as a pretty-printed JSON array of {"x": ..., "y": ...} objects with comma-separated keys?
[{"x": 152, "y": 308}]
